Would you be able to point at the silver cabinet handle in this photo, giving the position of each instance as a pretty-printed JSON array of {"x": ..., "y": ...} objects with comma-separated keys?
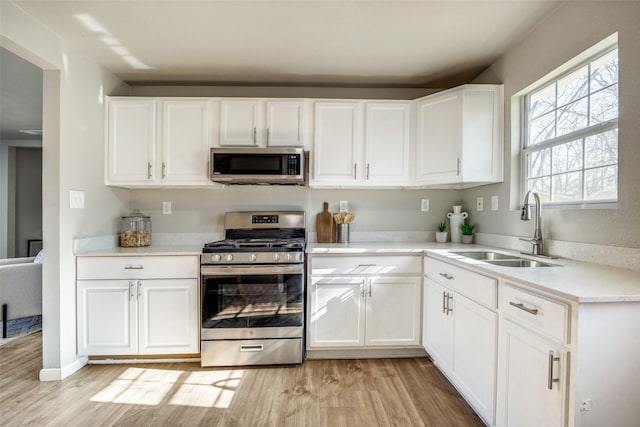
[
  {"x": 369, "y": 288},
  {"x": 362, "y": 286},
  {"x": 458, "y": 166},
  {"x": 444, "y": 302},
  {"x": 522, "y": 307},
  {"x": 446, "y": 276},
  {"x": 368, "y": 168},
  {"x": 139, "y": 289},
  {"x": 268, "y": 135},
  {"x": 552, "y": 380},
  {"x": 164, "y": 168},
  {"x": 355, "y": 171},
  {"x": 148, "y": 170},
  {"x": 449, "y": 298},
  {"x": 134, "y": 267},
  {"x": 131, "y": 291},
  {"x": 258, "y": 347},
  {"x": 255, "y": 140}
]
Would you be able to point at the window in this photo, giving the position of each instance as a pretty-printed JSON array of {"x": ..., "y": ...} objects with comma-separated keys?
[{"x": 570, "y": 148}]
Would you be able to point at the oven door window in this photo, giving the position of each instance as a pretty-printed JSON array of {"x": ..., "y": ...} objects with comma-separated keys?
[{"x": 252, "y": 301}]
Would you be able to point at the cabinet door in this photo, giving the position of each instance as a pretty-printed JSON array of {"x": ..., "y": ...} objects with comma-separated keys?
[
  {"x": 386, "y": 143},
  {"x": 438, "y": 324},
  {"x": 524, "y": 396},
  {"x": 168, "y": 316},
  {"x": 336, "y": 312},
  {"x": 475, "y": 354},
  {"x": 337, "y": 143},
  {"x": 285, "y": 123},
  {"x": 107, "y": 316},
  {"x": 393, "y": 311},
  {"x": 239, "y": 122},
  {"x": 131, "y": 142},
  {"x": 439, "y": 138},
  {"x": 185, "y": 141}
]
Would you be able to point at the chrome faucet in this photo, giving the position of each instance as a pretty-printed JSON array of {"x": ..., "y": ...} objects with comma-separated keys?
[{"x": 536, "y": 241}]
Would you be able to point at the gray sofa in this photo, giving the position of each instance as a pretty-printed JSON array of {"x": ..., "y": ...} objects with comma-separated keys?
[{"x": 21, "y": 291}]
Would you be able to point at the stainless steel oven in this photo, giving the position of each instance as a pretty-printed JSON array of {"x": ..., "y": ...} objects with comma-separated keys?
[{"x": 253, "y": 291}]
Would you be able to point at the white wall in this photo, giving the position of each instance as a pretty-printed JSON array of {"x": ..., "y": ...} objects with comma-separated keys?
[
  {"x": 73, "y": 158},
  {"x": 571, "y": 29}
]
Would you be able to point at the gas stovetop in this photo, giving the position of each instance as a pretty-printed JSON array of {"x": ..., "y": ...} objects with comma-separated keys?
[{"x": 254, "y": 245}]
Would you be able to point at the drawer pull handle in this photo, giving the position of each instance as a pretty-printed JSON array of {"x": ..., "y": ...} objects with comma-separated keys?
[
  {"x": 367, "y": 265},
  {"x": 134, "y": 267},
  {"x": 257, "y": 347},
  {"x": 521, "y": 306},
  {"x": 446, "y": 276},
  {"x": 552, "y": 380}
]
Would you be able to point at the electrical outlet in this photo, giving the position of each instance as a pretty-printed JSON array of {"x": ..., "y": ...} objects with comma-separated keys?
[
  {"x": 494, "y": 203},
  {"x": 424, "y": 205},
  {"x": 76, "y": 199},
  {"x": 480, "y": 204},
  {"x": 586, "y": 405},
  {"x": 344, "y": 206},
  {"x": 166, "y": 208}
]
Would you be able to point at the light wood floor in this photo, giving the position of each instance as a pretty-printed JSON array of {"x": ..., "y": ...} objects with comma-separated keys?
[{"x": 378, "y": 392}]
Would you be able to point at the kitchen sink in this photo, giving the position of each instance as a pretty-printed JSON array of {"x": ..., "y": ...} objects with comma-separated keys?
[
  {"x": 519, "y": 262},
  {"x": 483, "y": 255}
]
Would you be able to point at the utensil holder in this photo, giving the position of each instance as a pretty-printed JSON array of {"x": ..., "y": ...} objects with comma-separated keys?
[{"x": 342, "y": 233}]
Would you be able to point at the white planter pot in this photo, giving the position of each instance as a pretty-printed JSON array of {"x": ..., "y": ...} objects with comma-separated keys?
[
  {"x": 467, "y": 238},
  {"x": 441, "y": 236}
]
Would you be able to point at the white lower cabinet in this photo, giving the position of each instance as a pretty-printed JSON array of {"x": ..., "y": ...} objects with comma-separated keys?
[
  {"x": 138, "y": 314},
  {"x": 532, "y": 386},
  {"x": 460, "y": 333}
]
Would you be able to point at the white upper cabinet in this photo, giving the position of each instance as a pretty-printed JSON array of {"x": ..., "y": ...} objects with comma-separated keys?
[
  {"x": 337, "y": 142},
  {"x": 131, "y": 141},
  {"x": 185, "y": 141},
  {"x": 459, "y": 137},
  {"x": 361, "y": 143},
  {"x": 239, "y": 122},
  {"x": 262, "y": 123},
  {"x": 158, "y": 142}
]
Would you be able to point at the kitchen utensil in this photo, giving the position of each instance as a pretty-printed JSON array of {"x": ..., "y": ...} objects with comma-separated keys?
[{"x": 325, "y": 226}]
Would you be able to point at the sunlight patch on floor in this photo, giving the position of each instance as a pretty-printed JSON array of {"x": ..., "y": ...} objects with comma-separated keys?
[{"x": 143, "y": 386}]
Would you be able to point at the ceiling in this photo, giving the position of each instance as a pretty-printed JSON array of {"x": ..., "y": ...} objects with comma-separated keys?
[{"x": 362, "y": 43}]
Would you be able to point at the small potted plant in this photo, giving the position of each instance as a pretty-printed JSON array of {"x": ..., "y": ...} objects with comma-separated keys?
[
  {"x": 466, "y": 228},
  {"x": 441, "y": 234}
]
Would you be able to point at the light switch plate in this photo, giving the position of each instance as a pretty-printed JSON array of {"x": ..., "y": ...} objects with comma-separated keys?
[
  {"x": 76, "y": 199},
  {"x": 494, "y": 203},
  {"x": 480, "y": 203},
  {"x": 344, "y": 206},
  {"x": 166, "y": 208},
  {"x": 424, "y": 205}
]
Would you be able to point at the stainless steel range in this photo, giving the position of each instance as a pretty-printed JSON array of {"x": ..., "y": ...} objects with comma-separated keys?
[{"x": 253, "y": 291}]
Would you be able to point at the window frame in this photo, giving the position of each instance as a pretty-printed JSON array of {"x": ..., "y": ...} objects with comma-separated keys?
[{"x": 580, "y": 134}]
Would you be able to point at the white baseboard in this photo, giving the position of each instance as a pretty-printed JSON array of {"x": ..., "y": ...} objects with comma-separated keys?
[{"x": 58, "y": 374}]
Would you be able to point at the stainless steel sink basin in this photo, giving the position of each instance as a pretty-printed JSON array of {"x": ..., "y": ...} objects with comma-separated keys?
[
  {"x": 519, "y": 262},
  {"x": 484, "y": 255}
]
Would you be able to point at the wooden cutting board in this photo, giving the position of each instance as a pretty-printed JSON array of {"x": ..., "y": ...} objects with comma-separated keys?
[{"x": 325, "y": 227}]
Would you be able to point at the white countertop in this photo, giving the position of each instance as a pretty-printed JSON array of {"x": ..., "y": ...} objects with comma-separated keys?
[
  {"x": 146, "y": 250},
  {"x": 575, "y": 281}
]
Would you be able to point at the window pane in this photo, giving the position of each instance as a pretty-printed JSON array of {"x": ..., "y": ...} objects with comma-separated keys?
[
  {"x": 573, "y": 87},
  {"x": 542, "y": 128},
  {"x": 542, "y": 101},
  {"x": 601, "y": 183},
  {"x": 604, "y": 71},
  {"x": 602, "y": 149},
  {"x": 567, "y": 187},
  {"x": 539, "y": 163},
  {"x": 604, "y": 105},
  {"x": 542, "y": 186},
  {"x": 567, "y": 157},
  {"x": 573, "y": 117}
]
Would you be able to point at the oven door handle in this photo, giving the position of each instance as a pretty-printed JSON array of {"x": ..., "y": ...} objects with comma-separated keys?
[{"x": 251, "y": 270}]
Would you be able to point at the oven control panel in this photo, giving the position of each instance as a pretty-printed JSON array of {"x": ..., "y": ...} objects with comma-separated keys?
[
  {"x": 264, "y": 219},
  {"x": 253, "y": 258}
]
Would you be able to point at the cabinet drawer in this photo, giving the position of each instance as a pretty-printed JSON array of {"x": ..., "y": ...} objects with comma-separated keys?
[
  {"x": 479, "y": 288},
  {"x": 550, "y": 317},
  {"x": 322, "y": 265},
  {"x": 138, "y": 267}
]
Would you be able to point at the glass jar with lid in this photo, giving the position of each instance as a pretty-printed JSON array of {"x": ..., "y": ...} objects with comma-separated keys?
[{"x": 135, "y": 230}]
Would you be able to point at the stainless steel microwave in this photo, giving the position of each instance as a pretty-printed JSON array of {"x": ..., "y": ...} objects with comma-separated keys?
[{"x": 258, "y": 166}]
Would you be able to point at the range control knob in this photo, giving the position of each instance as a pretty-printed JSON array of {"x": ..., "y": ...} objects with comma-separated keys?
[
  {"x": 229, "y": 257},
  {"x": 216, "y": 258},
  {"x": 253, "y": 257},
  {"x": 276, "y": 257},
  {"x": 290, "y": 257}
]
